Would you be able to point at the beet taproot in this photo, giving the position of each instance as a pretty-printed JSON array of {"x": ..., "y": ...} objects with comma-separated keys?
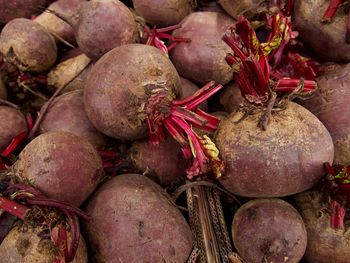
[
  {"x": 3, "y": 91},
  {"x": 104, "y": 25},
  {"x": 116, "y": 91},
  {"x": 269, "y": 230},
  {"x": 285, "y": 159},
  {"x": 67, "y": 113},
  {"x": 203, "y": 59},
  {"x": 28, "y": 45},
  {"x": 231, "y": 98},
  {"x": 133, "y": 220},
  {"x": 62, "y": 165},
  {"x": 239, "y": 7}
]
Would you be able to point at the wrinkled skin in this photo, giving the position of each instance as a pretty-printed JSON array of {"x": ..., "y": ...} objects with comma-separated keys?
[
  {"x": 18, "y": 8},
  {"x": 12, "y": 123},
  {"x": 57, "y": 26},
  {"x": 23, "y": 245},
  {"x": 67, "y": 113},
  {"x": 133, "y": 220},
  {"x": 285, "y": 159},
  {"x": 33, "y": 47},
  {"x": 326, "y": 40},
  {"x": 3, "y": 92},
  {"x": 163, "y": 13},
  {"x": 331, "y": 105},
  {"x": 163, "y": 163},
  {"x": 61, "y": 165},
  {"x": 189, "y": 88},
  {"x": 203, "y": 59},
  {"x": 269, "y": 230},
  {"x": 324, "y": 244},
  {"x": 238, "y": 7},
  {"x": 116, "y": 91},
  {"x": 96, "y": 35}
]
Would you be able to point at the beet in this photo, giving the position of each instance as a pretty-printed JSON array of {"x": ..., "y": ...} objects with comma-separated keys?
[
  {"x": 188, "y": 88},
  {"x": 285, "y": 159},
  {"x": 62, "y": 165},
  {"x": 57, "y": 26},
  {"x": 331, "y": 105},
  {"x": 67, "y": 113},
  {"x": 134, "y": 220},
  {"x": 326, "y": 40},
  {"x": 231, "y": 98},
  {"x": 203, "y": 59},
  {"x": 104, "y": 25},
  {"x": 12, "y": 123},
  {"x": 237, "y": 7},
  {"x": 116, "y": 91},
  {"x": 163, "y": 12},
  {"x": 18, "y": 8},
  {"x": 163, "y": 163},
  {"x": 3, "y": 92},
  {"x": 24, "y": 244},
  {"x": 269, "y": 230},
  {"x": 325, "y": 244},
  {"x": 28, "y": 45},
  {"x": 71, "y": 73}
]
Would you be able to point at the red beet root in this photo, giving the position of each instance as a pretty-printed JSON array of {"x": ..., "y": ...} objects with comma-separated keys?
[{"x": 3, "y": 92}]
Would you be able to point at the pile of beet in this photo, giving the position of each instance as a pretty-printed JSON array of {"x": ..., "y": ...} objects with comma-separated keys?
[{"x": 175, "y": 131}]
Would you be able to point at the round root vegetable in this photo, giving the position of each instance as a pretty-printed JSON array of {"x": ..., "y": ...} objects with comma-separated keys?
[
  {"x": 62, "y": 165},
  {"x": 12, "y": 123},
  {"x": 331, "y": 105},
  {"x": 57, "y": 26},
  {"x": 231, "y": 98},
  {"x": 71, "y": 73},
  {"x": 238, "y": 7},
  {"x": 25, "y": 244},
  {"x": 325, "y": 244},
  {"x": 18, "y": 8},
  {"x": 163, "y": 12},
  {"x": 28, "y": 45},
  {"x": 3, "y": 92},
  {"x": 269, "y": 230},
  {"x": 163, "y": 163},
  {"x": 104, "y": 25},
  {"x": 285, "y": 159},
  {"x": 134, "y": 220},
  {"x": 326, "y": 40},
  {"x": 188, "y": 88},
  {"x": 203, "y": 59},
  {"x": 116, "y": 91},
  {"x": 67, "y": 113}
]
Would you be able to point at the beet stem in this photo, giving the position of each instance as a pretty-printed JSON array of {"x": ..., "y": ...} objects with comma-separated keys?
[
  {"x": 13, "y": 208},
  {"x": 331, "y": 10}
]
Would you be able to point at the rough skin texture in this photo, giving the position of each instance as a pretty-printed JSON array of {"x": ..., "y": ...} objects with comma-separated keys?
[
  {"x": 326, "y": 40},
  {"x": 269, "y": 230},
  {"x": 238, "y": 7},
  {"x": 23, "y": 245},
  {"x": 163, "y": 163},
  {"x": 33, "y": 47},
  {"x": 285, "y": 159},
  {"x": 3, "y": 92},
  {"x": 12, "y": 124},
  {"x": 189, "y": 88},
  {"x": 133, "y": 220},
  {"x": 95, "y": 33},
  {"x": 18, "y": 8},
  {"x": 67, "y": 113},
  {"x": 57, "y": 26},
  {"x": 62, "y": 165},
  {"x": 163, "y": 13},
  {"x": 331, "y": 105},
  {"x": 324, "y": 244},
  {"x": 116, "y": 91},
  {"x": 203, "y": 59}
]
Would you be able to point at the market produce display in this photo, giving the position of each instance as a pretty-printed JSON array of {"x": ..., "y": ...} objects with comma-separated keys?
[{"x": 174, "y": 131}]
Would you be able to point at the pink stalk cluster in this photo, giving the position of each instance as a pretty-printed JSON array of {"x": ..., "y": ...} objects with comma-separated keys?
[
  {"x": 178, "y": 117},
  {"x": 250, "y": 62},
  {"x": 23, "y": 200},
  {"x": 157, "y": 36},
  {"x": 338, "y": 188}
]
